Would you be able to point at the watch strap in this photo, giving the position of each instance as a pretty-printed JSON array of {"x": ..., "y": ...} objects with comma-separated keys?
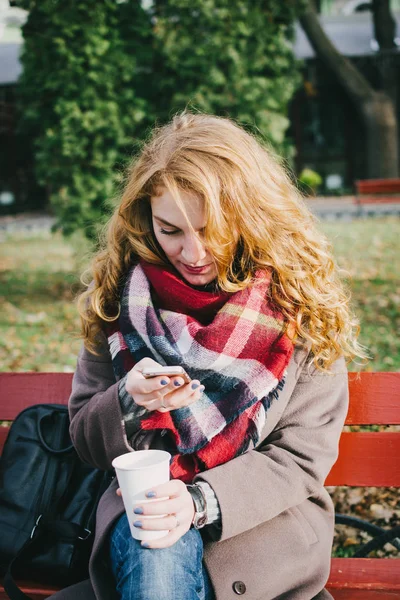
[
  {"x": 200, "y": 505},
  {"x": 213, "y": 508}
]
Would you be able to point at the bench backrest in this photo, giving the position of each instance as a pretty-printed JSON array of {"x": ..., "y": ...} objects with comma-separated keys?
[
  {"x": 378, "y": 186},
  {"x": 20, "y": 390},
  {"x": 366, "y": 458}
]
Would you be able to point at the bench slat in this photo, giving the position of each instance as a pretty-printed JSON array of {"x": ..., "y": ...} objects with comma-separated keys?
[
  {"x": 348, "y": 594},
  {"x": 365, "y": 574},
  {"x": 349, "y": 579},
  {"x": 374, "y": 399},
  {"x": 36, "y": 596},
  {"x": 20, "y": 390},
  {"x": 367, "y": 459},
  {"x": 36, "y": 591}
]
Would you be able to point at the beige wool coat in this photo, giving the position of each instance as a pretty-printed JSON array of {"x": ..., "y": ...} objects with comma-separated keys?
[{"x": 277, "y": 518}]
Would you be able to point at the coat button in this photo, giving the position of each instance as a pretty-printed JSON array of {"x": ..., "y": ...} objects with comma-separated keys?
[{"x": 239, "y": 587}]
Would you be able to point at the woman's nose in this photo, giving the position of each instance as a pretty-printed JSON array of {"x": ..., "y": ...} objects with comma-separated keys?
[{"x": 193, "y": 250}]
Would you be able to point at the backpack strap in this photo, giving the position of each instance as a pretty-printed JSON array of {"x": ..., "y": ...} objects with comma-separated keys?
[{"x": 63, "y": 530}]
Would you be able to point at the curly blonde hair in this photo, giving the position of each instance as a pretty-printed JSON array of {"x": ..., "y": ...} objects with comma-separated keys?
[{"x": 256, "y": 219}]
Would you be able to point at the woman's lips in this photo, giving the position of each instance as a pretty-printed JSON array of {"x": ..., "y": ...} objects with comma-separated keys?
[{"x": 195, "y": 270}]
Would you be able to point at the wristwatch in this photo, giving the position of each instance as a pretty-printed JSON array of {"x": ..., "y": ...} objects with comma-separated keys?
[{"x": 200, "y": 506}]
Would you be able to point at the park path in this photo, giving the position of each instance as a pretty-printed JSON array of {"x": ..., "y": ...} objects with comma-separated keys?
[
  {"x": 345, "y": 208},
  {"x": 31, "y": 222},
  {"x": 341, "y": 208}
]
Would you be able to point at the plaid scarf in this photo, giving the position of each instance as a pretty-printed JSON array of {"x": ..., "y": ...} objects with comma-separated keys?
[{"x": 233, "y": 343}]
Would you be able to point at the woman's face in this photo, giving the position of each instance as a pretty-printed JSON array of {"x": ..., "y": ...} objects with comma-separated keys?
[{"x": 184, "y": 248}]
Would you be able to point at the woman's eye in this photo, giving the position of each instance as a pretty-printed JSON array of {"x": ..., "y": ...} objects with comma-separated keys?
[{"x": 166, "y": 232}]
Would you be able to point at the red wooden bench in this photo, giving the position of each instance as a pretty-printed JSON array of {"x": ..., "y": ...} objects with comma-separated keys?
[
  {"x": 365, "y": 459},
  {"x": 377, "y": 191}
]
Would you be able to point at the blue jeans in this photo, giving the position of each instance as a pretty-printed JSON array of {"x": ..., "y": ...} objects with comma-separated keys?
[{"x": 174, "y": 573}]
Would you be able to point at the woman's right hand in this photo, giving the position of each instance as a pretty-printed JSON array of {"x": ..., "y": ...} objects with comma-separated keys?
[{"x": 173, "y": 392}]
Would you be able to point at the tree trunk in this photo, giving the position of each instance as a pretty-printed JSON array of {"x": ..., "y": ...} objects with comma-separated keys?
[
  {"x": 376, "y": 108},
  {"x": 385, "y": 33},
  {"x": 381, "y": 136},
  {"x": 384, "y": 24}
]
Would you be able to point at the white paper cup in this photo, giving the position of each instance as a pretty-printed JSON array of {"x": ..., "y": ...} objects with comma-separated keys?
[{"x": 137, "y": 472}]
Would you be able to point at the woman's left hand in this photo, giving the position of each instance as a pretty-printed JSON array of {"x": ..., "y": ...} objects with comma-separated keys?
[{"x": 178, "y": 507}]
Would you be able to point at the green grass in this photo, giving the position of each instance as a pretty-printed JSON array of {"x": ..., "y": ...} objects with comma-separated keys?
[
  {"x": 39, "y": 279},
  {"x": 369, "y": 251}
]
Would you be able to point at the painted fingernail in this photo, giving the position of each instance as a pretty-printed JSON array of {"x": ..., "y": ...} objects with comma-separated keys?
[
  {"x": 137, "y": 523},
  {"x": 163, "y": 382},
  {"x": 195, "y": 386},
  {"x": 138, "y": 510},
  {"x": 202, "y": 388},
  {"x": 151, "y": 494},
  {"x": 145, "y": 545},
  {"x": 177, "y": 383}
]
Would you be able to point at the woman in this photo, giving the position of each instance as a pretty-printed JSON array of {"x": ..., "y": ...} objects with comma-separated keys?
[{"x": 213, "y": 262}]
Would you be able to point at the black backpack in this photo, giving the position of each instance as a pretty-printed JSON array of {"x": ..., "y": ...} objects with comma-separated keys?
[{"x": 48, "y": 502}]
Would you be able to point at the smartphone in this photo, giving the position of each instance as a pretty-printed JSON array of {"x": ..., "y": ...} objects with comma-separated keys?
[{"x": 168, "y": 371}]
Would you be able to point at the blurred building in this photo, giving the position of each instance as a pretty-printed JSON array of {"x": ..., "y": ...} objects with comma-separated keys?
[
  {"x": 19, "y": 190},
  {"x": 325, "y": 128}
]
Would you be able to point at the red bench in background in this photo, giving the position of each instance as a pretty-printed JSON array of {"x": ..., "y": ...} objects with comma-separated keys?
[
  {"x": 365, "y": 459},
  {"x": 377, "y": 191}
]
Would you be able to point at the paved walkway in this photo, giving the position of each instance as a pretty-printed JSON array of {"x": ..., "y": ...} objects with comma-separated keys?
[
  {"x": 341, "y": 208},
  {"x": 345, "y": 208},
  {"x": 32, "y": 222}
]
